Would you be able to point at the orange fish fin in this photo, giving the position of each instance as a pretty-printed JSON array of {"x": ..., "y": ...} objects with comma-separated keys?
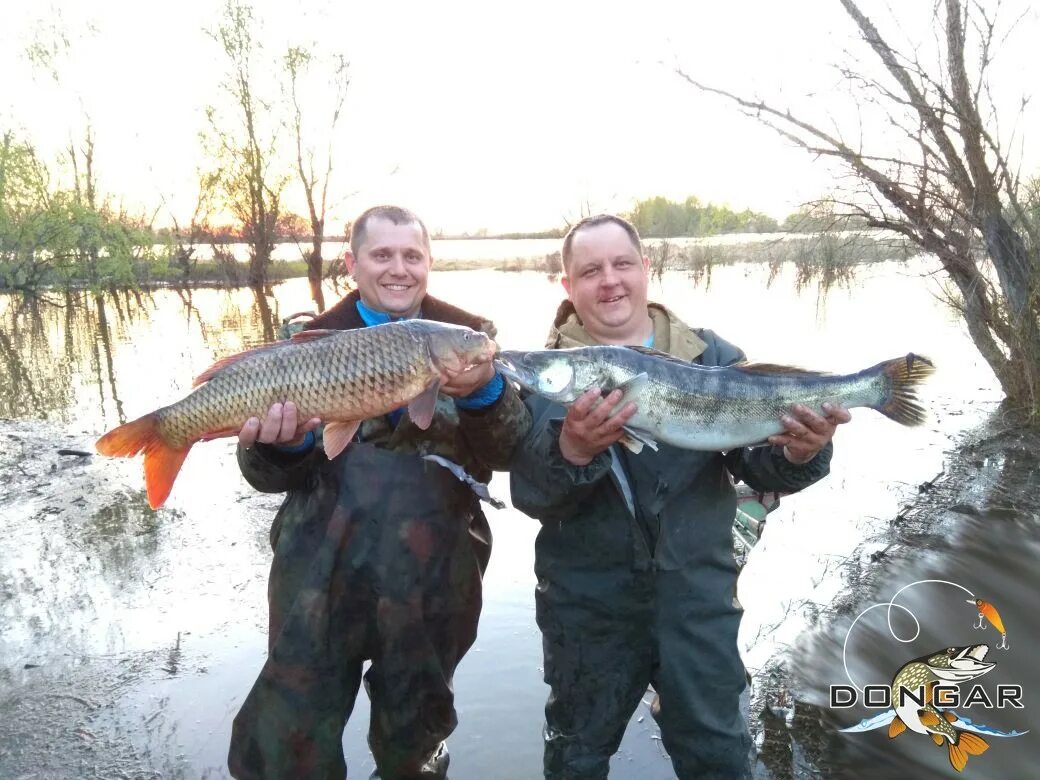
[
  {"x": 312, "y": 335},
  {"x": 896, "y": 727},
  {"x": 950, "y": 717},
  {"x": 230, "y": 360},
  {"x": 928, "y": 718},
  {"x": 958, "y": 758},
  {"x": 162, "y": 463},
  {"x": 773, "y": 368},
  {"x": 130, "y": 438},
  {"x": 973, "y": 744},
  {"x": 337, "y": 435},
  {"x": 211, "y": 435},
  {"x": 937, "y": 739},
  {"x": 421, "y": 408}
]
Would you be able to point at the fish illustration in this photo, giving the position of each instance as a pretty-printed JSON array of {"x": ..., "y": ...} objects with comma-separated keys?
[{"x": 918, "y": 677}]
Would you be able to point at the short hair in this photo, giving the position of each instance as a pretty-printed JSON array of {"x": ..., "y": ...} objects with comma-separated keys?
[
  {"x": 595, "y": 221},
  {"x": 395, "y": 214}
]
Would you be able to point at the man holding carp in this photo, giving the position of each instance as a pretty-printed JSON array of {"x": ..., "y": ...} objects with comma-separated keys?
[{"x": 378, "y": 553}]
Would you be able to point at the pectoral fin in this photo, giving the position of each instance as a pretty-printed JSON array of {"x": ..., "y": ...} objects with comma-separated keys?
[
  {"x": 928, "y": 718},
  {"x": 632, "y": 389},
  {"x": 896, "y": 727},
  {"x": 421, "y": 408},
  {"x": 337, "y": 435},
  {"x": 634, "y": 440}
]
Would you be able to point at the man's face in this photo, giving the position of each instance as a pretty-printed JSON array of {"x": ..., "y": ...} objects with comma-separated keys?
[
  {"x": 607, "y": 280},
  {"x": 391, "y": 267}
]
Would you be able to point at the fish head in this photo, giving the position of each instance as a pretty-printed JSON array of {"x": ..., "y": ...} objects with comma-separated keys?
[
  {"x": 959, "y": 664},
  {"x": 455, "y": 348},
  {"x": 550, "y": 373}
]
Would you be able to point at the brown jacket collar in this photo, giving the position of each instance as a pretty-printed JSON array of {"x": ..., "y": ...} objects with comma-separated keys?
[
  {"x": 344, "y": 315},
  {"x": 671, "y": 334}
]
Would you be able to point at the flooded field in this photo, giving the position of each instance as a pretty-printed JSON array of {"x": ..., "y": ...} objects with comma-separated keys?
[{"x": 128, "y": 638}]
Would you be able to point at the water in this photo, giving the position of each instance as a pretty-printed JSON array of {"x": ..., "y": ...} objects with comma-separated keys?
[{"x": 133, "y": 636}]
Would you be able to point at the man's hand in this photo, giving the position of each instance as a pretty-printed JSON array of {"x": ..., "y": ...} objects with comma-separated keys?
[
  {"x": 588, "y": 428},
  {"x": 807, "y": 432},
  {"x": 280, "y": 426},
  {"x": 469, "y": 381}
]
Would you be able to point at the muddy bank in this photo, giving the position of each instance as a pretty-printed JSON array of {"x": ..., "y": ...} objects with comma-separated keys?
[
  {"x": 99, "y": 619},
  {"x": 973, "y": 526}
]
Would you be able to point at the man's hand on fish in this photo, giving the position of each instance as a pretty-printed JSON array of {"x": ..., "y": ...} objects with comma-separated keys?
[
  {"x": 589, "y": 427},
  {"x": 469, "y": 381},
  {"x": 807, "y": 432},
  {"x": 279, "y": 426}
]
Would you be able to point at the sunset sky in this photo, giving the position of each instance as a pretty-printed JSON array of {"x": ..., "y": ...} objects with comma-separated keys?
[{"x": 475, "y": 114}]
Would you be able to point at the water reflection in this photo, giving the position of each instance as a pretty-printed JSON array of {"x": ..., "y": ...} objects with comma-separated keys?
[{"x": 159, "y": 617}]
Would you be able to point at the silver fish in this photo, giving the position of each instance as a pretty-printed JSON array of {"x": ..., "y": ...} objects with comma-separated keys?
[{"x": 712, "y": 408}]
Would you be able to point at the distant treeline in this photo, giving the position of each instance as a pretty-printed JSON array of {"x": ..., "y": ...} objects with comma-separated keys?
[{"x": 659, "y": 217}]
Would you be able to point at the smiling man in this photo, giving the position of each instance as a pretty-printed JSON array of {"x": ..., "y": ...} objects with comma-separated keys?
[
  {"x": 379, "y": 553},
  {"x": 636, "y": 577}
]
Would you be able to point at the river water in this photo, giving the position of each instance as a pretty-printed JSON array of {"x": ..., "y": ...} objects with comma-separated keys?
[{"x": 128, "y": 638}]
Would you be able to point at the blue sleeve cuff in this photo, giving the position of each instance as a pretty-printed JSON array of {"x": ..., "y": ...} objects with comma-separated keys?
[
  {"x": 304, "y": 446},
  {"x": 484, "y": 396}
]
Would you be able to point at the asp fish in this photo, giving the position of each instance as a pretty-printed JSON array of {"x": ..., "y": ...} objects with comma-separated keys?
[
  {"x": 340, "y": 376},
  {"x": 712, "y": 408}
]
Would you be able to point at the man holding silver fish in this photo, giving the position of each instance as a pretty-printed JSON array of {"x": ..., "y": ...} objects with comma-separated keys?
[
  {"x": 378, "y": 553},
  {"x": 636, "y": 577}
]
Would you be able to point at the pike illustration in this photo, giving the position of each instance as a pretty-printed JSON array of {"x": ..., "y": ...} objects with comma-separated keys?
[
  {"x": 340, "y": 376},
  {"x": 717, "y": 408},
  {"x": 953, "y": 665}
]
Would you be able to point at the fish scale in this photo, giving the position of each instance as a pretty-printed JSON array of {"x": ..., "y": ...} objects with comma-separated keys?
[
  {"x": 337, "y": 376},
  {"x": 351, "y": 370}
]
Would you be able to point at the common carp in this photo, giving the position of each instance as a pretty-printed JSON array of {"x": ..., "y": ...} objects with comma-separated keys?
[
  {"x": 340, "y": 376},
  {"x": 712, "y": 408}
]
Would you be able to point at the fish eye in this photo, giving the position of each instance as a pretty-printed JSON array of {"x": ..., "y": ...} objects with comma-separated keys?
[{"x": 951, "y": 651}]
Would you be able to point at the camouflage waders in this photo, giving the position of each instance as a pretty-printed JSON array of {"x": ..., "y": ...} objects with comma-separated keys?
[{"x": 386, "y": 565}]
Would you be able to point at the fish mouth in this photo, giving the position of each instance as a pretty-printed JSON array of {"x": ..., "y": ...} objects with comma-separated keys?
[
  {"x": 965, "y": 663},
  {"x": 510, "y": 364}
]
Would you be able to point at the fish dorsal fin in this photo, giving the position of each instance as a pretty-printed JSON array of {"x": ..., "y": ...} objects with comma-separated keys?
[
  {"x": 656, "y": 353},
  {"x": 230, "y": 360},
  {"x": 313, "y": 335},
  {"x": 422, "y": 407},
  {"x": 774, "y": 368}
]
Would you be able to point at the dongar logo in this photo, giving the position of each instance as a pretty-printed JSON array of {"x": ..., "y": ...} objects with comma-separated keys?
[{"x": 929, "y": 694}]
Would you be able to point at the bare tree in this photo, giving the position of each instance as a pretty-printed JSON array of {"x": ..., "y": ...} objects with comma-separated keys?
[
  {"x": 315, "y": 186},
  {"x": 953, "y": 190},
  {"x": 245, "y": 147}
]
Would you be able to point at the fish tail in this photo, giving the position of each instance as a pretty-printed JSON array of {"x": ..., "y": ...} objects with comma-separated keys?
[
  {"x": 905, "y": 374},
  {"x": 967, "y": 744},
  {"x": 162, "y": 461}
]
